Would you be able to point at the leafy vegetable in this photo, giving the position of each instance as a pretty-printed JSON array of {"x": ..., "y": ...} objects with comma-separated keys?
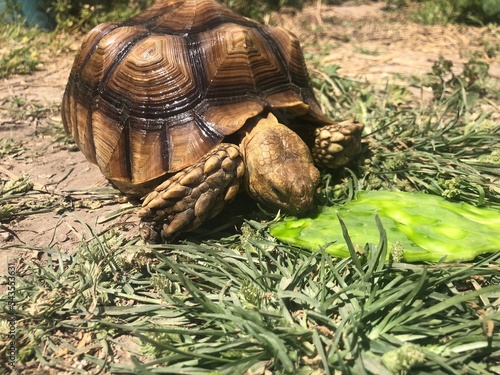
[{"x": 420, "y": 227}]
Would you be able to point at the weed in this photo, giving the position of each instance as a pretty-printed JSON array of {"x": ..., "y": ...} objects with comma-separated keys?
[
  {"x": 10, "y": 192},
  {"x": 19, "y": 108},
  {"x": 61, "y": 138},
  {"x": 343, "y": 97},
  {"x": 20, "y": 57},
  {"x": 22, "y": 60},
  {"x": 24, "y": 48},
  {"x": 475, "y": 74},
  {"x": 82, "y": 15},
  {"x": 474, "y": 81},
  {"x": 442, "y": 12},
  {"x": 19, "y": 185},
  {"x": 11, "y": 12},
  {"x": 431, "y": 148},
  {"x": 413, "y": 147},
  {"x": 366, "y": 51},
  {"x": 257, "y": 9},
  {"x": 10, "y": 146}
]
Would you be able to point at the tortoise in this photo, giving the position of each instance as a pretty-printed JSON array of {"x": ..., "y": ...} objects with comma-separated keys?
[{"x": 188, "y": 102}]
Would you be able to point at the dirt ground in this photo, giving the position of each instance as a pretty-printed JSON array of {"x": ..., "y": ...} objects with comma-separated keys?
[{"x": 367, "y": 42}]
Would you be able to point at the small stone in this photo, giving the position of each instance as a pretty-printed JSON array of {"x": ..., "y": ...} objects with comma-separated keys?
[
  {"x": 62, "y": 237},
  {"x": 5, "y": 236}
]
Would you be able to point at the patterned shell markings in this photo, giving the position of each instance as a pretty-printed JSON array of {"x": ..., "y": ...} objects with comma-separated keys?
[{"x": 153, "y": 94}]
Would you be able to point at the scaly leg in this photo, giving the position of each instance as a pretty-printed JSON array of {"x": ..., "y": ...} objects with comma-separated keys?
[
  {"x": 193, "y": 195},
  {"x": 335, "y": 145}
]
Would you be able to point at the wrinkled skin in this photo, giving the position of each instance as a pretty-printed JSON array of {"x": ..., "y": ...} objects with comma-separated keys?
[{"x": 280, "y": 172}]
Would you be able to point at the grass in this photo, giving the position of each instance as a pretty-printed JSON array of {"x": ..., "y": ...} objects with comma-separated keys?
[
  {"x": 23, "y": 49},
  {"x": 243, "y": 302},
  {"x": 248, "y": 303},
  {"x": 367, "y": 51},
  {"x": 448, "y": 146},
  {"x": 10, "y": 146},
  {"x": 19, "y": 108},
  {"x": 443, "y": 12}
]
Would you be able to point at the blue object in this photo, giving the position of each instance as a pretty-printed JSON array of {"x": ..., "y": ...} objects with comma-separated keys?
[{"x": 31, "y": 11}]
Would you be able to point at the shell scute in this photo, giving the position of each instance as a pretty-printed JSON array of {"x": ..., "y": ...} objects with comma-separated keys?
[{"x": 152, "y": 95}]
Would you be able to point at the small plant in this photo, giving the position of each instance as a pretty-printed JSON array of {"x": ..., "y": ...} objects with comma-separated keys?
[
  {"x": 20, "y": 108},
  {"x": 256, "y": 9},
  {"x": 475, "y": 73},
  {"x": 442, "y": 12},
  {"x": 367, "y": 51},
  {"x": 82, "y": 15},
  {"x": 19, "y": 185},
  {"x": 11, "y": 12},
  {"x": 23, "y": 48},
  {"x": 474, "y": 78},
  {"x": 61, "y": 138},
  {"x": 21, "y": 60},
  {"x": 10, "y": 146}
]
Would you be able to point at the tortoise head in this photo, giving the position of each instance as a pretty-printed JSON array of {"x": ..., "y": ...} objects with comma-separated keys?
[{"x": 279, "y": 168}]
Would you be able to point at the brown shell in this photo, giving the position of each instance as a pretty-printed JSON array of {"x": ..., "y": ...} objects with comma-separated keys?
[{"x": 153, "y": 94}]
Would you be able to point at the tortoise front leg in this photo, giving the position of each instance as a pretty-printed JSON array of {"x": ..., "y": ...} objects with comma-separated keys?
[
  {"x": 193, "y": 195},
  {"x": 336, "y": 145}
]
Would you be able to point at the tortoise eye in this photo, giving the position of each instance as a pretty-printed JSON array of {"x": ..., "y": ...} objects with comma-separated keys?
[{"x": 279, "y": 192}]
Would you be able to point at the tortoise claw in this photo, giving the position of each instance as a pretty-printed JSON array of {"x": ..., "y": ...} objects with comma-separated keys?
[{"x": 193, "y": 195}]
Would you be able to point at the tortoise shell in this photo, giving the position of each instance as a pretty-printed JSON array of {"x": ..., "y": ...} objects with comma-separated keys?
[{"x": 151, "y": 95}]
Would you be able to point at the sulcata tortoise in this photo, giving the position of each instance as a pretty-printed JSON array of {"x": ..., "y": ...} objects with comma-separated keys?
[{"x": 188, "y": 102}]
